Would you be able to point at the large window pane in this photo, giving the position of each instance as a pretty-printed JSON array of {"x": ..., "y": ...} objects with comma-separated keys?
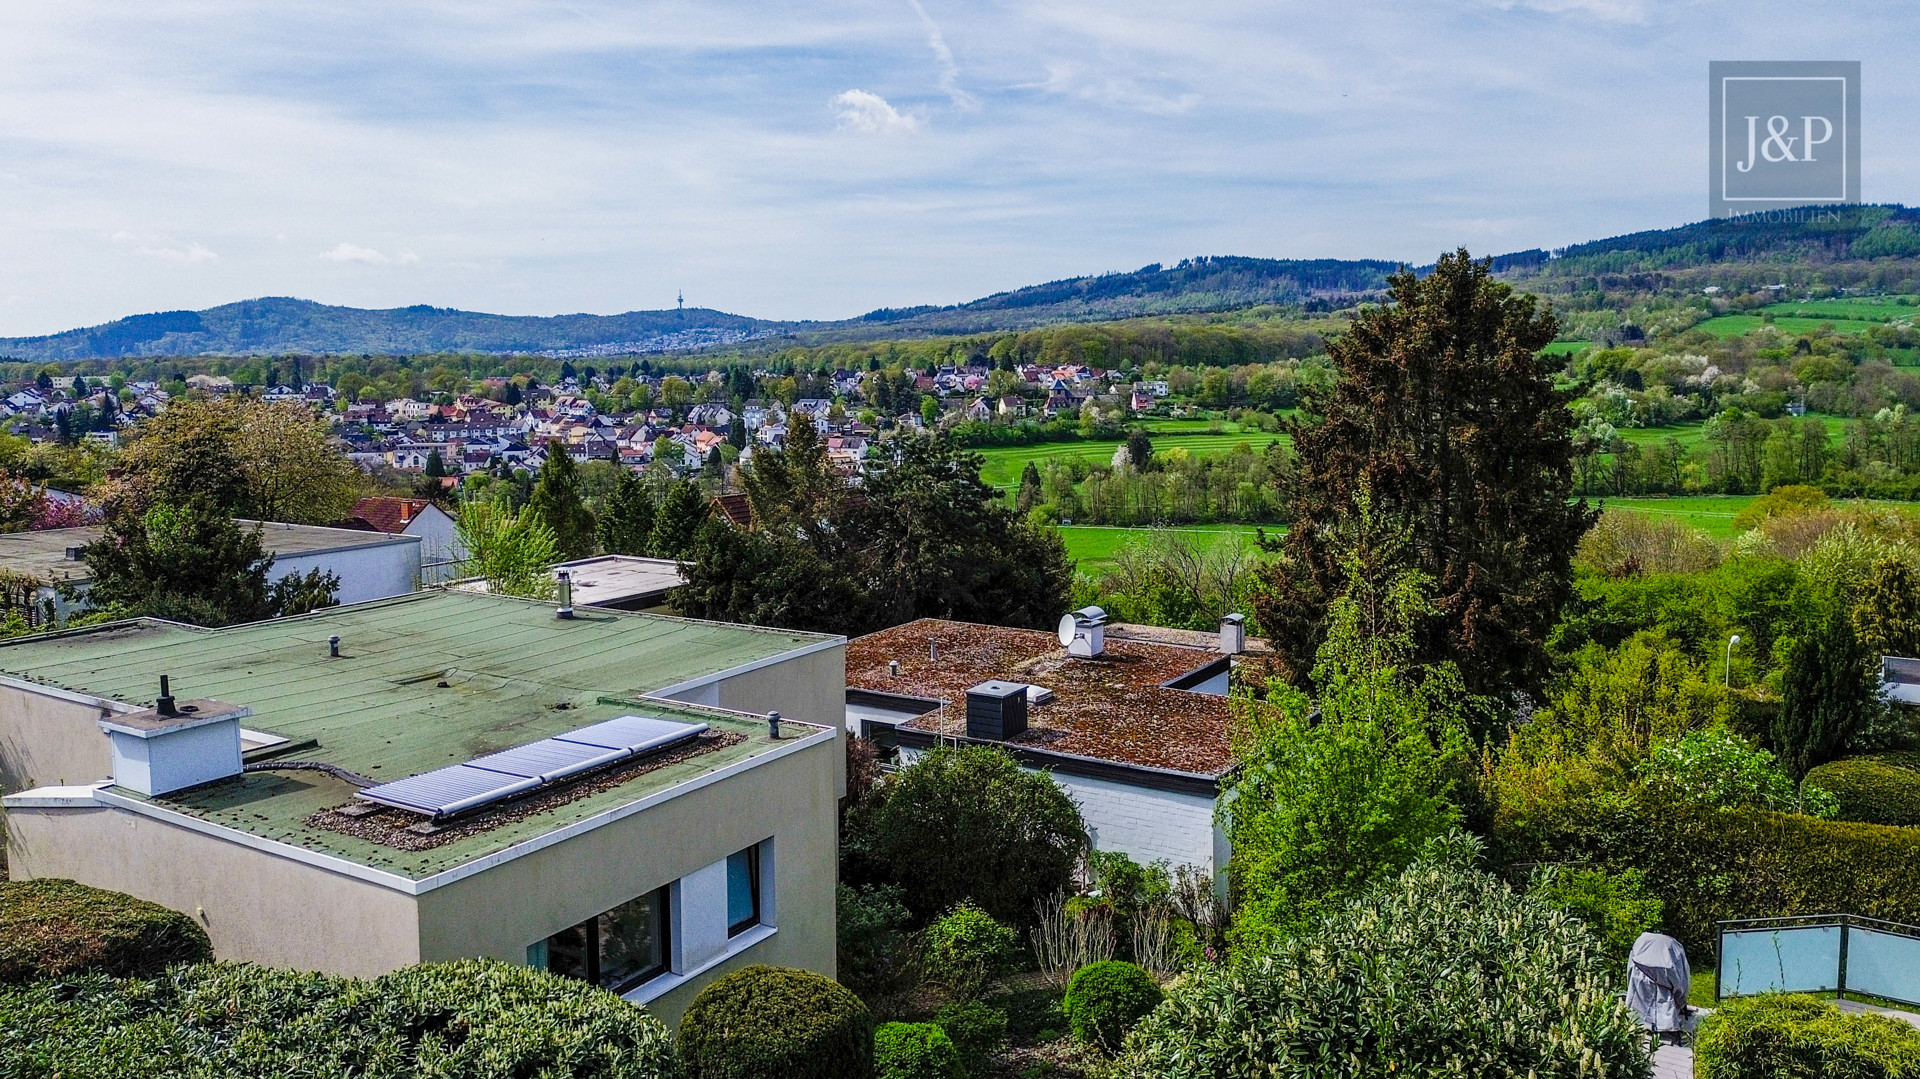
[
  {"x": 743, "y": 890},
  {"x": 633, "y": 941},
  {"x": 569, "y": 952}
]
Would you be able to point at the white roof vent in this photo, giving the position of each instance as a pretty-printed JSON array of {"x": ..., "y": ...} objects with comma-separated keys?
[{"x": 1083, "y": 633}]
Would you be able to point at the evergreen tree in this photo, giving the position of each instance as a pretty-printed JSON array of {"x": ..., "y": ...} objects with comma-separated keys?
[
  {"x": 626, "y": 522},
  {"x": 1140, "y": 449},
  {"x": 1829, "y": 693},
  {"x": 1444, "y": 408},
  {"x": 677, "y": 522},
  {"x": 1887, "y": 618},
  {"x": 556, "y": 502},
  {"x": 511, "y": 396},
  {"x": 1029, "y": 495},
  {"x": 193, "y": 563},
  {"x": 436, "y": 465}
]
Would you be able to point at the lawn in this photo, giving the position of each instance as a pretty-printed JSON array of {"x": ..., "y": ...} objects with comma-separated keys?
[
  {"x": 1858, "y": 310},
  {"x": 1566, "y": 348},
  {"x": 1003, "y": 463},
  {"x": 1690, "y": 435},
  {"x": 1713, "y": 514},
  {"x": 1094, "y": 546},
  {"x": 1735, "y": 325}
]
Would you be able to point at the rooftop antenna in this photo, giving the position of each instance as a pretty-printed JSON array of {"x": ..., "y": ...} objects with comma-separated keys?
[{"x": 680, "y": 302}]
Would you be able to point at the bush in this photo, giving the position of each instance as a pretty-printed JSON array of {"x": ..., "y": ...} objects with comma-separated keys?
[
  {"x": 1798, "y": 1037},
  {"x": 969, "y": 823},
  {"x": 975, "y": 1029},
  {"x": 474, "y": 1019},
  {"x": 875, "y": 952},
  {"x": 965, "y": 949},
  {"x": 1441, "y": 971},
  {"x": 914, "y": 1051},
  {"x": 1616, "y": 907},
  {"x": 1707, "y": 864},
  {"x": 1877, "y": 788},
  {"x": 765, "y": 1022},
  {"x": 1105, "y": 1000},
  {"x": 51, "y": 928}
]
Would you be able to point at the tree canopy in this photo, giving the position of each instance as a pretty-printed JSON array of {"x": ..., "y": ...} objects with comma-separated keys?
[
  {"x": 1445, "y": 410},
  {"x": 268, "y": 461}
]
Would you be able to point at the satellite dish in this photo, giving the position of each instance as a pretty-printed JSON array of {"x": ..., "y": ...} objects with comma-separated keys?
[{"x": 1067, "y": 626}]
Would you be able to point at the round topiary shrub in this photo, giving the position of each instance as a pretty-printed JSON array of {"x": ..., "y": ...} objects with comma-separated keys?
[
  {"x": 914, "y": 1051},
  {"x": 50, "y": 928},
  {"x": 1875, "y": 788},
  {"x": 1105, "y": 999},
  {"x": 764, "y": 1022},
  {"x": 976, "y": 1030},
  {"x": 965, "y": 949}
]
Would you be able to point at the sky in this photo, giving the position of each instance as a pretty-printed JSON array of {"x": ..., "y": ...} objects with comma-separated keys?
[{"x": 820, "y": 160}]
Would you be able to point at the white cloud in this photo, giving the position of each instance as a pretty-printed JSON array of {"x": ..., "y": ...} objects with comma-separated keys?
[
  {"x": 149, "y": 246},
  {"x": 1624, "y": 11},
  {"x": 346, "y": 252},
  {"x": 949, "y": 70},
  {"x": 860, "y": 110}
]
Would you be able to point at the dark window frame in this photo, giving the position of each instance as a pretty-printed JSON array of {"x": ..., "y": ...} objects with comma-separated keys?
[
  {"x": 753, "y": 917},
  {"x": 590, "y": 929}
]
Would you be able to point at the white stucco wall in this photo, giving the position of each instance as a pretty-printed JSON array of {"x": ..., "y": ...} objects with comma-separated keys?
[
  {"x": 376, "y": 572},
  {"x": 441, "y": 555},
  {"x": 1144, "y": 824}
]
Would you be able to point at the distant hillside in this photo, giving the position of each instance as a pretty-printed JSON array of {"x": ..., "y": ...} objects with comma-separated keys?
[
  {"x": 279, "y": 324},
  {"x": 1876, "y": 247}
]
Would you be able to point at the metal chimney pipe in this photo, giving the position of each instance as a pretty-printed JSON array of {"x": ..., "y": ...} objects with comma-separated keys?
[
  {"x": 164, "y": 704},
  {"x": 773, "y": 725},
  {"x": 566, "y": 596},
  {"x": 333, "y": 646}
]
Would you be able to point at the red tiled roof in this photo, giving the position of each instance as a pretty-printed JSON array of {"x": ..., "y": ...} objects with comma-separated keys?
[
  {"x": 386, "y": 513},
  {"x": 735, "y": 508},
  {"x": 1114, "y": 707}
]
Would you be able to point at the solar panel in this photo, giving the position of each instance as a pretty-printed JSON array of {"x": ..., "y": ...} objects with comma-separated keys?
[
  {"x": 495, "y": 777},
  {"x": 445, "y": 791},
  {"x": 638, "y": 733},
  {"x": 549, "y": 759}
]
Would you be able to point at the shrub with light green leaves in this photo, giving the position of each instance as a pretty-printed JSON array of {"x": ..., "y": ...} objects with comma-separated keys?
[
  {"x": 965, "y": 949},
  {"x": 1617, "y": 907},
  {"x": 473, "y": 1019},
  {"x": 976, "y": 1030},
  {"x": 1440, "y": 971},
  {"x": 1873, "y": 788},
  {"x": 762, "y": 1022},
  {"x": 1105, "y": 999},
  {"x": 914, "y": 1051},
  {"x": 1799, "y": 1037},
  {"x": 50, "y": 928}
]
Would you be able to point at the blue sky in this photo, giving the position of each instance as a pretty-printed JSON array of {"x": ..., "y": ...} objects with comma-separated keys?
[{"x": 819, "y": 160}]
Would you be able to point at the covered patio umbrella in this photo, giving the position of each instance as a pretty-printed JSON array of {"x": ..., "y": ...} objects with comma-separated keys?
[{"x": 1657, "y": 982}]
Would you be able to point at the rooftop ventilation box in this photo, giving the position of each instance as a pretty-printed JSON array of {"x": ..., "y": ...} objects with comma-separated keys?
[
  {"x": 155, "y": 753},
  {"x": 996, "y": 711}
]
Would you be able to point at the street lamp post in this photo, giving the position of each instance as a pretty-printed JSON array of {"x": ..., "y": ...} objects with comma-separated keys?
[{"x": 1731, "y": 641}]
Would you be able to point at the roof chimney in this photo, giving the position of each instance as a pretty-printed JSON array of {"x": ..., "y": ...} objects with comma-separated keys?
[
  {"x": 566, "y": 595},
  {"x": 1083, "y": 633},
  {"x": 1233, "y": 634},
  {"x": 167, "y": 748},
  {"x": 996, "y": 711}
]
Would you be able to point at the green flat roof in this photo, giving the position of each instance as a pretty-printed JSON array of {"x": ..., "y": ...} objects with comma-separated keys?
[
  {"x": 43, "y": 554},
  {"x": 514, "y": 674}
]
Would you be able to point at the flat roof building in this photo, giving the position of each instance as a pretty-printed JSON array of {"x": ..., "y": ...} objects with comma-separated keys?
[
  {"x": 1137, "y": 731},
  {"x": 370, "y": 565},
  {"x": 650, "y": 867}
]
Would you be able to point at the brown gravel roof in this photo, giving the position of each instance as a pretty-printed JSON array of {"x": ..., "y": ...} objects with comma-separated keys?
[{"x": 1111, "y": 708}]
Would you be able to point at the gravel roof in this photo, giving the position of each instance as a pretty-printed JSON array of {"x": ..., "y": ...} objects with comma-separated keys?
[{"x": 1113, "y": 707}]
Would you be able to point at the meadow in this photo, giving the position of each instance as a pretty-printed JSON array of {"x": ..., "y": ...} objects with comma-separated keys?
[
  {"x": 1735, "y": 325},
  {"x": 1003, "y": 463},
  {"x": 1094, "y": 546}
]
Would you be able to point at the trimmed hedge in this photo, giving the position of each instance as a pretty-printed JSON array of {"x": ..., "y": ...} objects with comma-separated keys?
[
  {"x": 976, "y": 1030},
  {"x": 1105, "y": 1000},
  {"x": 1875, "y": 788},
  {"x": 52, "y": 928},
  {"x": 1707, "y": 864},
  {"x": 474, "y": 1019},
  {"x": 1799, "y": 1037},
  {"x": 915, "y": 1051},
  {"x": 965, "y": 949},
  {"x": 764, "y": 1022}
]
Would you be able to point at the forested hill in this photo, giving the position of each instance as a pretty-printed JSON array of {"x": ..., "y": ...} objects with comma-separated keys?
[
  {"x": 1872, "y": 246},
  {"x": 279, "y": 324}
]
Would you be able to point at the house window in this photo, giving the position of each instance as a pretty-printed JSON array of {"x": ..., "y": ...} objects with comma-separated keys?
[
  {"x": 743, "y": 890},
  {"x": 616, "y": 950}
]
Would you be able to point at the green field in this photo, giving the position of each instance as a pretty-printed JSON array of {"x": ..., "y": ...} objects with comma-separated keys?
[
  {"x": 1690, "y": 435},
  {"x": 1566, "y": 348},
  {"x": 1735, "y": 325},
  {"x": 1712, "y": 514},
  {"x": 1095, "y": 545},
  {"x": 1879, "y": 310},
  {"x": 1003, "y": 463}
]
